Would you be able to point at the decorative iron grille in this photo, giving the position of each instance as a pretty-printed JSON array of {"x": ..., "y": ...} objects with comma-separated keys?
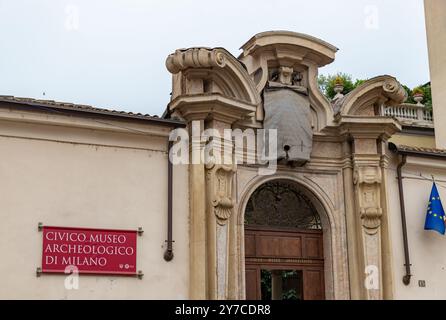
[{"x": 281, "y": 204}]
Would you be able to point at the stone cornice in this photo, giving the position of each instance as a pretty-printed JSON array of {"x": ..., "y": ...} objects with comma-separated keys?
[
  {"x": 303, "y": 46},
  {"x": 215, "y": 106},
  {"x": 367, "y": 126}
]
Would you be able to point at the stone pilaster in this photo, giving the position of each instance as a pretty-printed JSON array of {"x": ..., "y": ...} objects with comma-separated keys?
[
  {"x": 367, "y": 181},
  {"x": 220, "y": 210},
  {"x": 355, "y": 269},
  {"x": 365, "y": 213}
]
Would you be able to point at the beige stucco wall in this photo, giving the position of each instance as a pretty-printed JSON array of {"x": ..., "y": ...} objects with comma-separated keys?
[
  {"x": 413, "y": 140},
  {"x": 436, "y": 36},
  {"x": 80, "y": 173},
  {"x": 427, "y": 248}
]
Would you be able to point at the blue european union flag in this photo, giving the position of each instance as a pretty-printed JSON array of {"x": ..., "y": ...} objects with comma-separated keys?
[{"x": 435, "y": 213}]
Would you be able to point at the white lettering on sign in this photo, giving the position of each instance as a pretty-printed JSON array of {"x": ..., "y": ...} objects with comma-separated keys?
[
  {"x": 81, "y": 237},
  {"x": 90, "y": 250}
]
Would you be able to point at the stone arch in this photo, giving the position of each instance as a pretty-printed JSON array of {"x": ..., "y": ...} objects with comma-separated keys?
[
  {"x": 330, "y": 226},
  {"x": 281, "y": 204}
]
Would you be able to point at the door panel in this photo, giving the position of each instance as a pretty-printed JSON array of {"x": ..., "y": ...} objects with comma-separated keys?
[
  {"x": 275, "y": 249},
  {"x": 250, "y": 245},
  {"x": 313, "y": 285},
  {"x": 313, "y": 247},
  {"x": 252, "y": 283},
  {"x": 279, "y": 246},
  {"x": 283, "y": 244}
]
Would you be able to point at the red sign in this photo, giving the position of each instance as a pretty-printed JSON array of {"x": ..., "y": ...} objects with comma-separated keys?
[{"x": 89, "y": 250}]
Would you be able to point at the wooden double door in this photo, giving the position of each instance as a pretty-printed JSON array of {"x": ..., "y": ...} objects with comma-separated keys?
[{"x": 284, "y": 264}]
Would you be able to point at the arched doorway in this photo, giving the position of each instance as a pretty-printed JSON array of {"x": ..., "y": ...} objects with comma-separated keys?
[{"x": 284, "y": 256}]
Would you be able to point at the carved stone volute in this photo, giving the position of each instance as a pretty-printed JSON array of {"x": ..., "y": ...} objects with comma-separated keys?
[
  {"x": 220, "y": 178},
  {"x": 394, "y": 91},
  {"x": 195, "y": 58},
  {"x": 368, "y": 180}
]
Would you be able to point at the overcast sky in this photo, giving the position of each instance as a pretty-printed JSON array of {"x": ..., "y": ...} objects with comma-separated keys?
[{"x": 111, "y": 53}]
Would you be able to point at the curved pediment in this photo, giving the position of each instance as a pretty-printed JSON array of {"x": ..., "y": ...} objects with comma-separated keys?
[
  {"x": 291, "y": 60},
  {"x": 371, "y": 95},
  {"x": 211, "y": 71},
  {"x": 292, "y": 46}
]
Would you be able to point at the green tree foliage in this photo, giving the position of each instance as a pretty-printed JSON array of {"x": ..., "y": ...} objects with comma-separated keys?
[
  {"x": 266, "y": 283},
  {"x": 425, "y": 89},
  {"x": 427, "y": 95},
  {"x": 327, "y": 83},
  {"x": 409, "y": 94}
]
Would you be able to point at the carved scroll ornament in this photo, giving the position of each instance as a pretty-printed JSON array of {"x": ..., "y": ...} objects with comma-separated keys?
[
  {"x": 368, "y": 180},
  {"x": 220, "y": 178},
  {"x": 394, "y": 91},
  {"x": 195, "y": 58}
]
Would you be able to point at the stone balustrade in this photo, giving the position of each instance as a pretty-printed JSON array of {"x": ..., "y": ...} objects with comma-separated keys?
[{"x": 410, "y": 114}]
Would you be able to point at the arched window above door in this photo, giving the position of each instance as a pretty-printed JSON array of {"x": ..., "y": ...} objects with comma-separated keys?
[{"x": 281, "y": 204}]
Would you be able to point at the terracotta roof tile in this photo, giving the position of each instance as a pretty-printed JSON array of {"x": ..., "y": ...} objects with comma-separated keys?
[
  {"x": 58, "y": 105},
  {"x": 421, "y": 150}
]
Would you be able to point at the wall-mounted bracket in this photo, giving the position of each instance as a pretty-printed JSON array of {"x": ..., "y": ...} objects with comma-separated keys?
[{"x": 40, "y": 226}]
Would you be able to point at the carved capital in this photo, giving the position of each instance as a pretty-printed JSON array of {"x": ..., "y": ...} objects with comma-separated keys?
[
  {"x": 195, "y": 58},
  {"x": 220, "y": 179},
  {"x": 367, "y": 175}
]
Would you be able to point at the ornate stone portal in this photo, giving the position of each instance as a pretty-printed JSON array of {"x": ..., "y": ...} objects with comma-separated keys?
[{"x": 344, "y": 139}]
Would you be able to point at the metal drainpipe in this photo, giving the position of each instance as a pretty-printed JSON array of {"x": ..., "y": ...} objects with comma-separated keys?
[
  {"x": 168, "y": 254},
  {"x": 407, "y": 276}
]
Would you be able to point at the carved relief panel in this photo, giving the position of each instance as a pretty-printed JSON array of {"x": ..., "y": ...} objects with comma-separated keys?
[
  {"x": 368, "y": 180},
  {"x": 220, "y": 179}
]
